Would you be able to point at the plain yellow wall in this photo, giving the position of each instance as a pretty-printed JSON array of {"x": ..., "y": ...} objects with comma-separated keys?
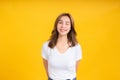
[{"x": 25, "y": 25}]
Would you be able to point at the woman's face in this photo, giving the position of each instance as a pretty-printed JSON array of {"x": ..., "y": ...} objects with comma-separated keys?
[{"x": 63, "y": 25}]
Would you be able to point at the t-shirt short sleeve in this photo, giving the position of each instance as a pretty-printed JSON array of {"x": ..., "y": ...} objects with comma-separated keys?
[
  {"x": 44, "y": 51},
  {"x": 78, "y": 55}
]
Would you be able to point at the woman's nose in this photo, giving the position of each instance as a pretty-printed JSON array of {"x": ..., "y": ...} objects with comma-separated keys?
[{"x": 63, "y": 25}]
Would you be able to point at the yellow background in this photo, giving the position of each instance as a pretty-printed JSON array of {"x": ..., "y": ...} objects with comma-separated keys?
[{"x": 25, "y": 25}]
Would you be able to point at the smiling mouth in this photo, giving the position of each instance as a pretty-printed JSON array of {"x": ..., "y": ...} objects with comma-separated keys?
[{"x": 63, "y": 30}]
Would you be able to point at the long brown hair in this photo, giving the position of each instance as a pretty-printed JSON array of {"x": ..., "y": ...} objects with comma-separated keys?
[{"x": 71, "y": 35}]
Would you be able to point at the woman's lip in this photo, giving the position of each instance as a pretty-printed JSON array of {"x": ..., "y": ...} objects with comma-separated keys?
[{"x": 63, "y": 29}]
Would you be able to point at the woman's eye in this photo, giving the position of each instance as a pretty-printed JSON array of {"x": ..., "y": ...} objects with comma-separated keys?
[{"x": 67, "y": 23}]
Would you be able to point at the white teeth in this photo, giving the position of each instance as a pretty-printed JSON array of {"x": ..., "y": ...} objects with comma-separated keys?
[{"x": 62, "y": 30}]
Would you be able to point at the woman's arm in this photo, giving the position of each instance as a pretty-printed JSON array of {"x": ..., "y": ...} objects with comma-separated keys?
[
  {"x": 46, "y": 66},
  {"x": 77, "y": 64}
]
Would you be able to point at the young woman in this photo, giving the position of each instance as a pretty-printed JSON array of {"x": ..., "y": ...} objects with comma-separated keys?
[{"x": 62, "y": 53}]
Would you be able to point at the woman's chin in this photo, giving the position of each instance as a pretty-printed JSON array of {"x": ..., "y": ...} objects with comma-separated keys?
[{"x": 63, "y": 34}]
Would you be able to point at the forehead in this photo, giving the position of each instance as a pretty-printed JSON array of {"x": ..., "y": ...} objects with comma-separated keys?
[{"x": 64, "y": 18}]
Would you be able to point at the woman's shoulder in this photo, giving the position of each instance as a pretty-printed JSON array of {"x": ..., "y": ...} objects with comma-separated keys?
[
  {"x": 45, "y": 44},
  {"x": 77, "y": 45}
]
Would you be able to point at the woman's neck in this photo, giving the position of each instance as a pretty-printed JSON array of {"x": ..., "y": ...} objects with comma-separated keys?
[{"x": 62, "y": 39}]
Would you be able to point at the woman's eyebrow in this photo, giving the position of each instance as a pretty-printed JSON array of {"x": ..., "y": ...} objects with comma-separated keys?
[
  {"x": 65, "y": 21},
  {"x": 59, "y": 20}
]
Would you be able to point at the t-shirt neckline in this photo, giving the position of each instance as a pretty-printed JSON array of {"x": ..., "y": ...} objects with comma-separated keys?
[{"x": 58, "y": 52}]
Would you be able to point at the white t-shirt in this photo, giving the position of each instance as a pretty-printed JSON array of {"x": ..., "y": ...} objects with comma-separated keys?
[{"x": 61, "y": 66}]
